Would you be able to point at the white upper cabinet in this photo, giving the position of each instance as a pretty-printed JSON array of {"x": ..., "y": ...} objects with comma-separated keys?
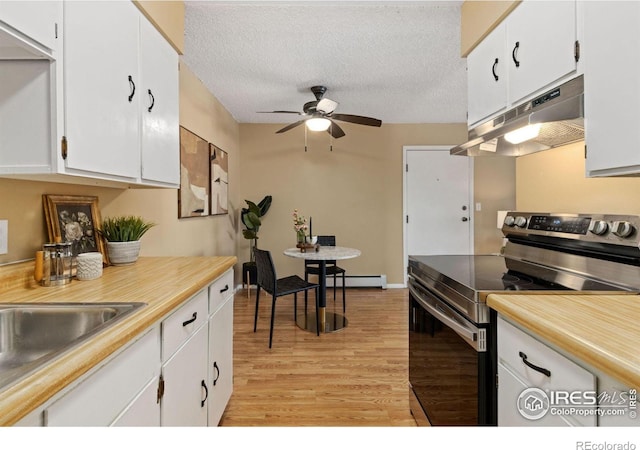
[
  {"x": 159, "y": 99},
  {"x": 106, "y": 110},
  {"x": 612, "y": 87},
  {"x": 487, "y": 76},
  {"x": 121, "y": 94},
  {"x": 530, "y": 51},
  {"x": 541, "y": 40},
  {"x": 102, "y": 87},
  {"x": 28, "y": 29}
]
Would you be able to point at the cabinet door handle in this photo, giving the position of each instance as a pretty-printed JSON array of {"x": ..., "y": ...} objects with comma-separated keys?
[
  {"x": 542, "y": 370},
  {"x": 153, "y": 101},
  {"x": 193, "y": 319},
  {"x": 514, "y": 54},
  {"x": 225, "y": 289},
  {"x": 206, "y": 394},
  {"x": 215, "y": 366},
  {"x": 493, "y": 70},
  {"x": 133, "y": 88}
]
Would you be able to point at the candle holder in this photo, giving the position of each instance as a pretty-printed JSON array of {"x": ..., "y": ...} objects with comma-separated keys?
[{"x": 304, "y": 246}]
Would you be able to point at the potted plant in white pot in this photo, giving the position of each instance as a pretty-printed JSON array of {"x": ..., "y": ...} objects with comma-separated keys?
[{"x": 123, "y": 234}]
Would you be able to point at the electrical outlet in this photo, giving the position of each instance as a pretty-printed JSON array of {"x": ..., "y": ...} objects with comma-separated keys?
[{"x": 4, "y": 237}]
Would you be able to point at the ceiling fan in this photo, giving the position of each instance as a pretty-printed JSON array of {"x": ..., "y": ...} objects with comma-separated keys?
[{"x": 319, "y": 115}]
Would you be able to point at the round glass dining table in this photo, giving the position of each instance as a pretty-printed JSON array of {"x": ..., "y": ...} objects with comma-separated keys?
[{"x": 329, "y": 321}]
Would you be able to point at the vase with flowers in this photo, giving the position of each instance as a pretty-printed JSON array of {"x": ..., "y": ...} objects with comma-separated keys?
[{"x": 300, "y": 226}]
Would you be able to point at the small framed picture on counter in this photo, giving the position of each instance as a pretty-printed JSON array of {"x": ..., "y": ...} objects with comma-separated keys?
[{"x": 75, "y": 219}]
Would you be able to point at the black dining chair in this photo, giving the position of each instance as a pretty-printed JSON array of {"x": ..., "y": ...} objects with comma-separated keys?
[
  {"x": 313, "y": 268},
  {"x": 279, "y": 287}
]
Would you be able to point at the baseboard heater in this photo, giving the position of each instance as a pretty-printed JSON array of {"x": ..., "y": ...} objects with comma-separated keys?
[{"x": 359, "y": 281}]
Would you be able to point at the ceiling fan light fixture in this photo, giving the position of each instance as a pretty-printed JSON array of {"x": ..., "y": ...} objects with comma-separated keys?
[{"x": 318, "y": 124}]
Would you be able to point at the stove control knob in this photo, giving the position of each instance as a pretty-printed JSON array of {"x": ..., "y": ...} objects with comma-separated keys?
[
  {"x": 509, "y": 221},
  {"x": 598, "y": 227},
  {"x": 623, "y": 229},
  {"x": 521, "y": 222}
]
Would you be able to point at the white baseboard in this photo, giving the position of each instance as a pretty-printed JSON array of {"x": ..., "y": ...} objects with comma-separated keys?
[
  {"x": 360, "y": 281},
  {"x": 364, "y": 281}
]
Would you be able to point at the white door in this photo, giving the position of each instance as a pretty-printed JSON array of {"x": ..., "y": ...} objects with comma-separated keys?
[{"x": 438, "y": 198}]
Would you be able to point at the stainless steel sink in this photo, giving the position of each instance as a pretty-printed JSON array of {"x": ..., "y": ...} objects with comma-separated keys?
[{"x": 36, "y": 333}]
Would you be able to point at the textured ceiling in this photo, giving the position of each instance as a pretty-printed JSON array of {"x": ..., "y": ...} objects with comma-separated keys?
[{"x": 396, "y": 61}]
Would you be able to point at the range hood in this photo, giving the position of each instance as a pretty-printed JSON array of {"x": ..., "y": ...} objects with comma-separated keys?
[{"x": 559, "y": 113}]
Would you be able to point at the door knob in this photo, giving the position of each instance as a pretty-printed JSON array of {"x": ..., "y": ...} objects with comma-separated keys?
[{"x": 465, "y": 219}]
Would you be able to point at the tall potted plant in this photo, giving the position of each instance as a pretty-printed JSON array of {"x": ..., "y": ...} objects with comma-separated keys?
[
  {"x": 250, "y": 217},
  {"x": 123, "y": 234}
]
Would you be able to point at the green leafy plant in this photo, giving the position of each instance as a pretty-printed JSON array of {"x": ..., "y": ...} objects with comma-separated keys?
[
  {"x": 250, "y": 217},
  {"x": 124, "y": 228}
]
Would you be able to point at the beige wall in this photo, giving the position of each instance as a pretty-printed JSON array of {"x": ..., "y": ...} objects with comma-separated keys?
[
  {"x": 478, "y": 18},
  {"x": 21, "y": 201},
  {"x": 495, "y": 190},
  {"x": 354, "y": 191},
  {"x": 554, "y": 181}
]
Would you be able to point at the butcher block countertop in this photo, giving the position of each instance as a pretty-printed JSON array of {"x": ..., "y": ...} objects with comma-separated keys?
[
  {"x": 601, "y": 330},
  {"x": 163, "y": 283}
]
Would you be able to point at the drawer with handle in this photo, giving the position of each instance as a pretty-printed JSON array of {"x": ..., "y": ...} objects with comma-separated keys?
[
  {"x": 567, "y": 385},
  {"x": 220, "y": 290},
  {"x": 182, "y": 323}
]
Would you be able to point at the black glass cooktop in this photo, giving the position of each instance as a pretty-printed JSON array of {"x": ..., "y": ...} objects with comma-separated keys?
[{"x": 477, "y": 273}]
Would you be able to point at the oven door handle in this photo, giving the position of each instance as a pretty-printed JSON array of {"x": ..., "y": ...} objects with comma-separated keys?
[{"x": 473, "y": 336}]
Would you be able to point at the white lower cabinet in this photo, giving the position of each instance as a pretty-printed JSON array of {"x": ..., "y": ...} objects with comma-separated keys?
[
  {"x": 220, "y": 360},
  {"x": 178, "y": 373},
  {"x": 197, "y": 370},
  {"x": 112, "y": 389},
  {"x": 618, "y": 403},
  {"x": 538, "y": 386},
  {"x": 184, "y": 364},
  {"x": 559, "y": 390},
  {"x": 143, "y": 410},
  {"x": 184, "y": 402}
]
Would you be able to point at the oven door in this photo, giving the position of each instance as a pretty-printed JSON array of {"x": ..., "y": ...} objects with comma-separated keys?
[{"x": 450, "y": 366}]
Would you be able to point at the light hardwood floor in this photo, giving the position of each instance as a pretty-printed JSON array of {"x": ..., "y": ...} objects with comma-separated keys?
[{"x": 355, "y": 377}]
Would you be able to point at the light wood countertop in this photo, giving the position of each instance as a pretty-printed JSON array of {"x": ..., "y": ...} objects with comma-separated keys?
[
  {"x": 601, "y": 330},
  {"x": 163, "y": 283}
]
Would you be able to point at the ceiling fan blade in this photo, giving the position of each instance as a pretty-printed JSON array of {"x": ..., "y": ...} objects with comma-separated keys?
[
  {"x": 279, "y": 112},
  {"x": 360, "y": 120},
  {"x": 326, "y": 105},
  {"x": 334, "y": 130},
  {"x": 290, "y": 126}
]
